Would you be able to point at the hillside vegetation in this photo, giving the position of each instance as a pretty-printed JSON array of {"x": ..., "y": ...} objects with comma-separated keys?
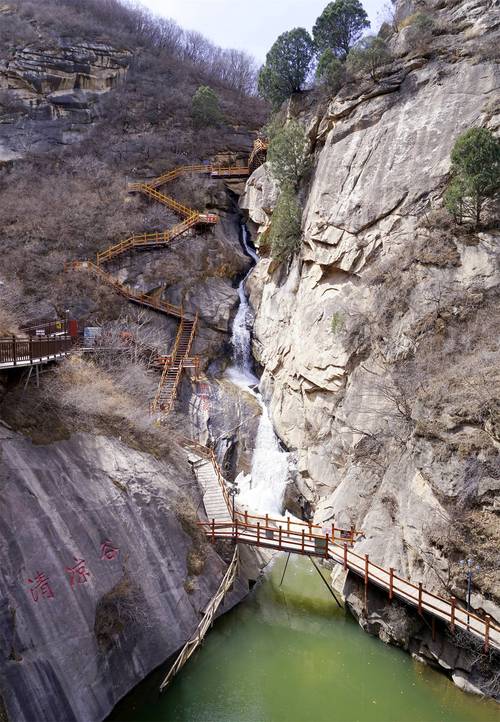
[{"x": 142, "y": 127}]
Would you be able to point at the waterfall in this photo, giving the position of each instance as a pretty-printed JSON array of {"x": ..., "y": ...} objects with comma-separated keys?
[{"x": 262, "y": 490}]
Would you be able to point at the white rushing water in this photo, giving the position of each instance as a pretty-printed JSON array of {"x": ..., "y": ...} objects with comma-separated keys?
[{"x": 262, "y": 490}]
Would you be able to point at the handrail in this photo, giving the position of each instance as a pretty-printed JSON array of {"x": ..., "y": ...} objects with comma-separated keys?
[
  {"x": 169, "y": 202},
  {"x": 184, "y": 169},
  {"x": 18, "y": 351},
  {"x": 345, "y": 534},
  {"x": 135, "y": 296},
  {"x": 302, "y": 542},
  {"x": 175, "y": 358},
  {"x": 222, "y": 483},
  {"x": 202, "y": 628}
]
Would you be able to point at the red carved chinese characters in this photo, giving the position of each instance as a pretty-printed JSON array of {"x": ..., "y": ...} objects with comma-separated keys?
[
  {"x": 78, "y": 573},
  {"x": 41, "y": 587},
  {"x": 108, "y": 551}
]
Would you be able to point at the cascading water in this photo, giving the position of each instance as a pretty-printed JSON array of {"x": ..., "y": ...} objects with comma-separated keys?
[{"x": 263, "y": 489}]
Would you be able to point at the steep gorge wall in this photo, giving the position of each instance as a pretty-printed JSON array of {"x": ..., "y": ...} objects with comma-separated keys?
[
  {"x": 71, "y": 652},
  {"x": 378, "y": 343}
]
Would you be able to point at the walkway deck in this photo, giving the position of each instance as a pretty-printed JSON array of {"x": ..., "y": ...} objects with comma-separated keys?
[
  {"x": 216, "y": 499},
  {"x": 17, "y": 352},
  {"x": 274, "y": 534}
]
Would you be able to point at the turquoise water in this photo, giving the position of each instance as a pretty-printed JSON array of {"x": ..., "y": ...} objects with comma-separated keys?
[{"x": 289, "y": 654}]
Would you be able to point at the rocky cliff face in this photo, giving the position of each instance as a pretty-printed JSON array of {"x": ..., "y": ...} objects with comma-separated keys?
[
  {"x": 104, "y": 572},
  {"x": 377, "y": 342},
  {"x": 48, "y": 95}
]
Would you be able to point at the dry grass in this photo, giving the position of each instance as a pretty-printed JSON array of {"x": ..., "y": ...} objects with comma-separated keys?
[
  {"x": 197, "y": 555},
  {"x": 121, "y": 610}
]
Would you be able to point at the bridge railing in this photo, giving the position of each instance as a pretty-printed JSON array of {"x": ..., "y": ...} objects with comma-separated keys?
[
  {"x": 345, "y": 535},
  {"x": 275, "y": 535},
  {"x": 16, "y": 351}
]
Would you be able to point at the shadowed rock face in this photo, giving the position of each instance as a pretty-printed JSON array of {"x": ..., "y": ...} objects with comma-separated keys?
[
  {"x": 73, "y": 655},
  {"x": 51, "y": 93},
  {"x": 379, "y": 311}
]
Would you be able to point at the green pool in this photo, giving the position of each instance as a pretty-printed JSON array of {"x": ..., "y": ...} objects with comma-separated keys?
[{"x": 289, "y": 654}]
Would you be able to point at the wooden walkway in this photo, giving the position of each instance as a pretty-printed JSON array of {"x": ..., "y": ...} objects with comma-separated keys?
[
  {"x": 332, "y": 543},
  {"x": 311, "y": 540},
  {"x": 17, "y": 351},
  {"x": 208, "y": 618},
  {"x": 174, "y": 364},
  {"x": 180, "y": 358}
]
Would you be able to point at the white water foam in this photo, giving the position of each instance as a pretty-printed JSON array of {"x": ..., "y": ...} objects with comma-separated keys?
[{"x": 263, "y": 489}]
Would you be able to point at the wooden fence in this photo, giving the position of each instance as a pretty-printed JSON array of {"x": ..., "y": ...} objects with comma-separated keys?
[
  {"x": 208, "y": 617},
  {"x": 274, "y": 534},
  {"x": 16, "y": 351}
]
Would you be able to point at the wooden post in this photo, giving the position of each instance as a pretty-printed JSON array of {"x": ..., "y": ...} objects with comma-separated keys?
[
  {"x": 279, "y": 538},
  {"x": 420, "y": 598},
  {"x": 391, "y": 583},
  {"x": 258, "y": 532},
  {"x": 345, "y": 557},
  {"x": 452, "y": 614},
  {"x": 31, "y": 350},
  {"x": 267, "y": 520},
  {"x": 246, "y": 517},
  {"x": 366, "y": 568},
  {"x": 288, "y": 524},
  {"x": 213, "y": 530},
  {"x": 303, "y": 540},
  {"x": 352, "y": 536},
  {"x": 326, "y": 547},
  {"x": 14, "y": 349},
  {"x": 333, "y": 534},
  {"x": 487, "y": 633}
]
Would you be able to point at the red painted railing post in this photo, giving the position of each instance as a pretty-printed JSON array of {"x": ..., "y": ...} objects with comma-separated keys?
[
  {"x": 452, "y": 614},
  {"x": 366, "y": 569},
  {"x": 333, "y": 534},
  {"x": 391, "y": 583},
  {"x": 326, "y": 547},
  {"x": 246, "y": 517},
  {"x": 345, "y": 557},
  {"x": 279, "y": 538},
  {"x": 352, "y": 536},
  {"x": 420, "y": 598},
  {"x": 303, "y": 540},
  {"x": 258, "y": 532},
  {"x": 213, "y": 530},
  {"x": 487, "y": 633},
  {"x": 267, "y": 520},
  {"x": 288, "y": 524}
]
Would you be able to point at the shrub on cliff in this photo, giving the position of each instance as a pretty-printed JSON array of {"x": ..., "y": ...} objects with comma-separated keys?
[
  {"x": 285, "y": 231},
  {"x": 475, "y": 168},
  {"x": 331, "y": 72},
  {"x": 368, "y": 56},
  {"x": 340, "y": 26},
  {"x": 287, "y": 153},
  {"x": 287, "y": 66},
  {"x": 205, "y": 107}
]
